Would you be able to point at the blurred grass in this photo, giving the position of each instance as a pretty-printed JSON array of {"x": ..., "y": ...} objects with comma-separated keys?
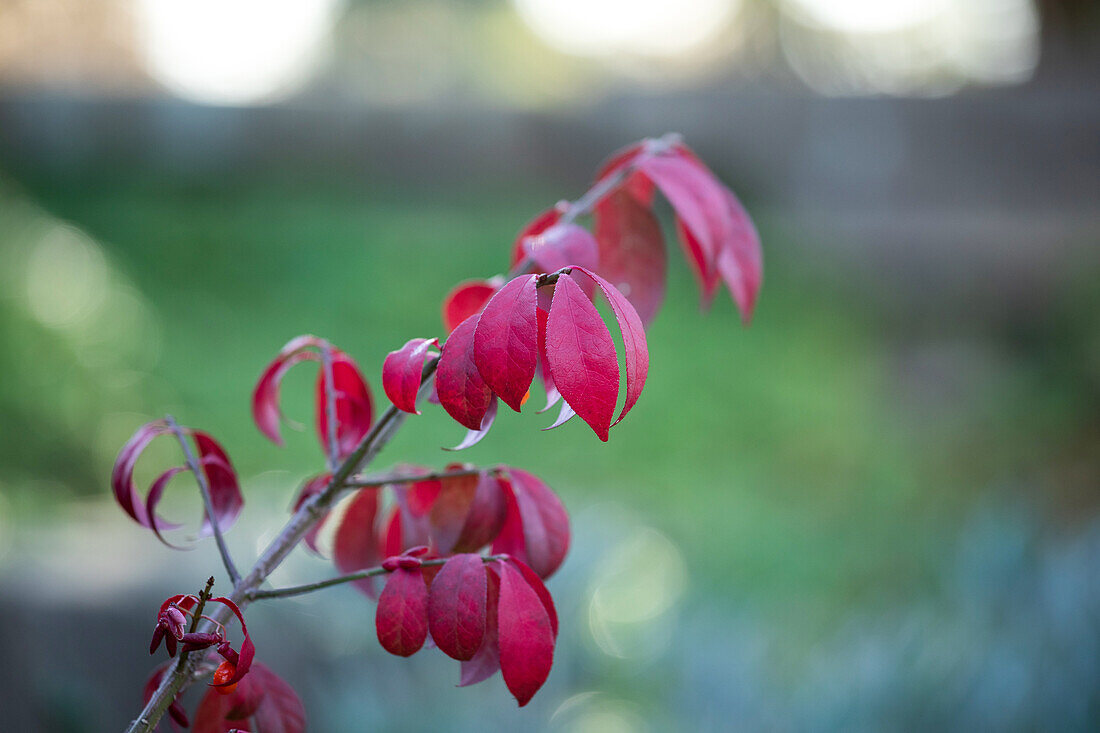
[{"x": 794, "y": 463}]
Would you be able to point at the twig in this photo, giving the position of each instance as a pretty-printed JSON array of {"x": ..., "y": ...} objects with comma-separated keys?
[
  {"x": 312, "y": 510},
  {"x": 207, "y": 499},
  {"x": 360, "y": 482}
]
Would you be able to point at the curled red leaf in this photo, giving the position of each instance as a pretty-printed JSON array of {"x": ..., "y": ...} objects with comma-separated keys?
[
  {"x": 263, "y": 697},
  {"x": 581, "y": 356},
  {"x": 457, "y": 605},
  {"x": 225, "y": 491},
  {"x": 354, "y": 411},
  {"x": 402, "y": 616},
  {"x": 506, "y": 341},
  {"x": 265, "y": 396},
  {"x": 402, "y": 370},
  {"x": 247, "y": 651},
  {"x": 462, "y": 391}
]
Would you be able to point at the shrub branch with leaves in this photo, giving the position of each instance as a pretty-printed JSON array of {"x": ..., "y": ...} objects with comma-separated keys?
[{"x": 456, "y": 556}]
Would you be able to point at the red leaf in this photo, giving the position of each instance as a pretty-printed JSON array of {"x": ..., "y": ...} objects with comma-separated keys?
[
  {"x": 632, "y": 251},
  {"x": 486, "y": 662},
  {"x": 526, "y": 636},
  {"x": 263, "y": 697},
  {"x": 486, "y": 514},
  {"x": 635, "y": 349},
  {"x": 401, "y": 373},
  {"x": 450, "y": 510},
  {"x": 562, "y": 245},
  {"x": 740, "y": 263},
  {"x": 465, "y": 300},
  {"x": 581, "y": 354},
  {"x": 225, "y": 492},
  {"x": 247, "y": 650},
  {"x": 533, "y": 228},
  {"x": 536, "y": 529},
  {"x": 402, "y": 616},
  {"x": 552, "y": 395},
  {"x": 265, "y": 397},
  {"x": 473, "y": 437},
  {"x": 353, "y": 405},
  {"x": 539, "y": 587},
  {"x": 122, "y": 475},
  {"x": 462, "y": 391},
  {"x": 506, "y": 341},
  {"x": 156, "y": 490},
  {"x": 456, "y": 606},
  {"x": 356, "y": 545}
]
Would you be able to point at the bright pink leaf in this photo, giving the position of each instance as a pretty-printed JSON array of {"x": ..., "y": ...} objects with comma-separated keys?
[
  {"x": 581, "y": 354},
  {"x": 635, "y": 349},
  {"x": 526, "y": 635},
  {"x": 466, "y": 299},
  {"x": 506, "y": 341},
  {"x": 533, "y": 228},
  {"x": 552, "y": 395},
  {"x": 461, "y": 389},
  {"x": 402, "y": 616},
  {"x": 536, "y": 529},
  {"x": 356, "y": 545},
  {"x": 740, "y": 263},
  {"x": 539, "y": 587},
  {"x": 632, "y": 251},
  {"x": 562, "y": 245},
  {"x": 456, "y": 606},
  {"x": 354, "y": 411},
  {"x": 486, "y": 662},
  {"x": 401, "y": 372}
]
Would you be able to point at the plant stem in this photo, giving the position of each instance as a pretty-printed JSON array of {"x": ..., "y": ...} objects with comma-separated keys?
[
  {"x": 312, "y": 510},
  {"x": 360, "y": 482},
  {"x": 207, "y": 499},
  {"x": 298, "y": 590}
]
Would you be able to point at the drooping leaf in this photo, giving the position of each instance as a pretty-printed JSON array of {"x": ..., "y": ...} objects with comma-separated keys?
[
  {"x": 539, "y": 587},
  {"x": 581, "y": 355},
  {"x": 552, "y": 394},
  {"x": 402, "y": 616},
  {"x": 156, "y": 491},
  {"x": 122, "y": 475},
  {"x": 265, "y": 397},
  {"x": 356, "y": 544},
  {"x": 506, "y": 341},
  {"x": 533, "y": 228},
  {"x": 740, "y": 263},
  {"x": 457, "y": 605},
  {"x": 526, "y": 635},
  {"x": 536, "y": 529},
  {"x": 486, "y": 661},
  {"x": 450, "y": 509},
  {"x": 635, "y": 349},
  {"x": 486, "y": 514},
  {"x": 632, "y": 251},
  {"x": 247, "y": 651},
  {"x": 462, "y": 391},
  {"x": 280, "y": 711},
  {"x": 354, "y": 411},
  {"x": 467, "y": 299},
  {"x": 402, "y": 370}
]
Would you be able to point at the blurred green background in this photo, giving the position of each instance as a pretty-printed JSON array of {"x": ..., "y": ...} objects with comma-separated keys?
[{"x": 875, "y": 509}]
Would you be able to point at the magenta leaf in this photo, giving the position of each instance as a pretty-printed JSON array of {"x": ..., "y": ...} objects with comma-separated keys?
[
  {"x": 562, "y": 245},
  {"x": 581, "y": 355},
  {"x": 552, "y": 395},
  {"x": 156, "y": 490},
  {"x": 506, "y": 341},
  {"x": 122, "y": 475},
  {"x": 740, "y": 263},
  {"x": 356, "y": 544},
  {"x": 526, "y": 635},
  {"x": 450, "y": 509},
  {"x": 456, "y": 606},
  {"x": 539, "y": 587},
  {"x": 635, "y": 349},
  {"x": 536, "y": 529},
  {"x": 402, "y": 616},
  {"x": 535, "y": 227},
  {"x": 354, "y": 411},
  {"x": 466, "y": 299},
  {"x": 461, "y": 389},
  {"x": 486, "y": 661},
  {"x": 401, "y": 373},
  {"x": 486, "y": 514},
  {"x": 225, "y": 491},
  {"x": 473, "y": 437},
  {"x": 265, "y": 397},
  {"x": 264, "y": 697},
  {"x": 632, "y": 251}
]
